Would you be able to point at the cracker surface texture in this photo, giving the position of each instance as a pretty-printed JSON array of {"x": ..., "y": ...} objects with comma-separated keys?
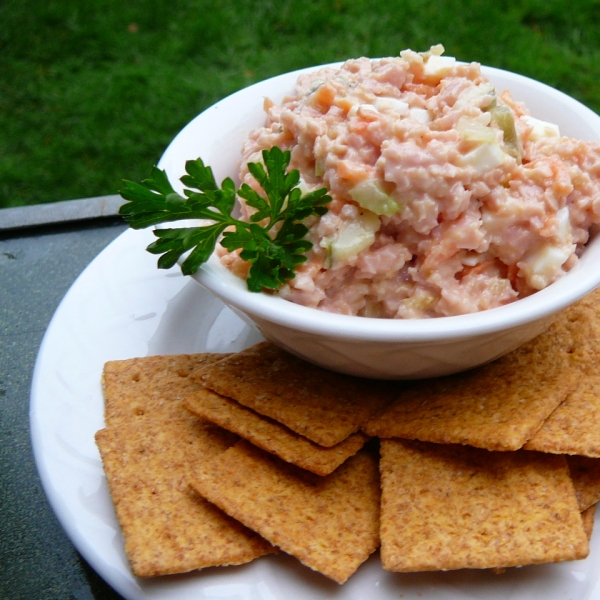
[
  {"x": 498, "y": 406},
  {"x": 151, "y": 387},
  {"x": 324, "y": 406},
  {"x": 574, "y": 428},
  {"x": 168, "y": 528},
  {"x": 272, "y": 436},
  {"x": 585, "y": 473},
  {"x": 331, "y": 524},
  {"x": 456, "y": 507},
  {"x": 588, "y": 517}
]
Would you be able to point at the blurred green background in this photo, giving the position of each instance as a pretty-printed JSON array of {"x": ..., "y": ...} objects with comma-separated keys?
[{"x": 92, "y": 91}]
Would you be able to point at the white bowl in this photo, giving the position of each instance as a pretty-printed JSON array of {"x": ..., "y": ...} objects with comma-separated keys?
[{"x": 381, "y": 348}]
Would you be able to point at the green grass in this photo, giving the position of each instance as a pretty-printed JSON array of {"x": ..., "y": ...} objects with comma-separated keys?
[{"x": 92, "y": 91}]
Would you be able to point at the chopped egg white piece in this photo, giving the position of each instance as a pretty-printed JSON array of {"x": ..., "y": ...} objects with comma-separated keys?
[
  {"x": 484, "y": 158},
  {"x": 564, "y": 226},
  {"x": 475, "y": 95},
  {"x": 420, "y": 114},
  {"x": 541, "y": 266},
  {"x": 439, "y": 65},
  {"x": 357, "y": 109},
  {"x": 393, "y": 105},
  {"x": 541, "y": 129}
]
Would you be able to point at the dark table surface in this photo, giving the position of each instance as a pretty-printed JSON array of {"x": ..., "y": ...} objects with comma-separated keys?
[{"x": 37, "y": 267}]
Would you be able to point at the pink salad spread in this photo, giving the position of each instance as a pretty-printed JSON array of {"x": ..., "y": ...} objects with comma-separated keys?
[{"x": 447, "y": 197}]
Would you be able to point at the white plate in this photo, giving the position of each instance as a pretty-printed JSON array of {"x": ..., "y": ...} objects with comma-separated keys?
[{"x": 122, "y": 306}]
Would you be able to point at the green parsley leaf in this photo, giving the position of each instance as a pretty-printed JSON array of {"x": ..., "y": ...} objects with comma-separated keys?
[{"x": 273, "y": 242}]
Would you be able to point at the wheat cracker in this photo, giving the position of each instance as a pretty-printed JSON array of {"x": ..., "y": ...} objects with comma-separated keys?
[
  {"x": 588, "y": 516},
  {"x": 580, "y": 324},
  {"x": 168, "y": 528},
  {"x": 272, "y": 436},
  {"x": 151, "y": 387},
  {"x": 331, "y": 524},
  {"x": 452, "y": 507},
  {"x": 585, "y": 473},
  {"x": 574, "y": 427},
  {"x": 498, "y": 406},
  {"x": 324, "y": 406}
]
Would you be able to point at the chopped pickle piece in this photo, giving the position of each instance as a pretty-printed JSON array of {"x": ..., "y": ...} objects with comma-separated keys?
[
  {"x": 370, "y": 194},
  {"x": 319, "y": 167},
  {"x": 353, "y": 237},
  {"x": 473, "y": 130},
  {"x": 503, "y": 118}
]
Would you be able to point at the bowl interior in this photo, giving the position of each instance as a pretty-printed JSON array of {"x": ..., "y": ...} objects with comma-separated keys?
[{"x": 217, "y": 136}]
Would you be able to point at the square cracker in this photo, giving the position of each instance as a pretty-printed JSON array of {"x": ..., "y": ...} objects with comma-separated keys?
[
  {"x": 272, "y": 436},
  {"x": 579, "y": 326},
  {"x": 324, "y": 406},
  {"x": 331, "y": 524},
  {"x": 585, "y": 473},
  {"x": 151, "y": 387},
  {"x": 498, "y": 406},
  {"x": 574, "y": 427},
  {"x": 574, "y": 336},
  {"x": 588, "y": 517},
  {"x": 168, "y": 528},
  {"x": 449, "y": 507}
]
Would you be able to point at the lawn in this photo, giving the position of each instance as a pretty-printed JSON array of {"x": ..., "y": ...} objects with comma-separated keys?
[{"x": 92, "y": 91}]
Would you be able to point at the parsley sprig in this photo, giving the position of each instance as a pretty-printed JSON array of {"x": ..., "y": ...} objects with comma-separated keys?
[{"x": 273, "y": 241}]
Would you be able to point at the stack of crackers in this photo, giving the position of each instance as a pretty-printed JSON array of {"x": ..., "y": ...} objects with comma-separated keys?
[{"x": 216, "y": 459}]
